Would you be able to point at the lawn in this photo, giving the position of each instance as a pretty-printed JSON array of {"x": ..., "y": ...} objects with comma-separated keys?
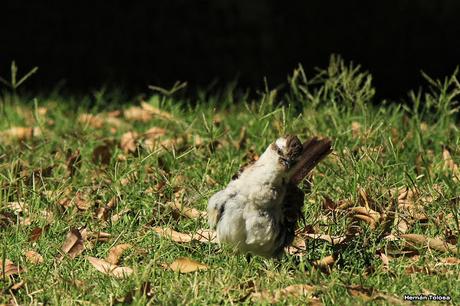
[{"x": 102, "y": 201}]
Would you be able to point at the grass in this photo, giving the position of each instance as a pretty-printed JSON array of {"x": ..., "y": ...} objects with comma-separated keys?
[{"x": 377, "y": 147}]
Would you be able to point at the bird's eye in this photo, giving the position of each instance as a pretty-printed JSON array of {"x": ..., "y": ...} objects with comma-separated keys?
[{"x": 278, "y": 150}]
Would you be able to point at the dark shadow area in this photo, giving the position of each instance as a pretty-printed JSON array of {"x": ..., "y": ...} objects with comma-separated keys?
[{"x": 133, "y": 44}]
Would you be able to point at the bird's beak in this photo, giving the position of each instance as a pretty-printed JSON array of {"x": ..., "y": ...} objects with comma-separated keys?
[{"x": 287, "y": 162}]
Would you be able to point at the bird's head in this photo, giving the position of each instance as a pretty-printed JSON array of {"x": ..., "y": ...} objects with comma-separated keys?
[{"x": 288, "y": 150}]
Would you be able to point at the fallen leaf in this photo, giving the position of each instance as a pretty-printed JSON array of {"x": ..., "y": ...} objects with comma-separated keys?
[
  {"x": 450, "y": 261},
  {"x": 202, "y": 235},
  {"x": 20, "y": 133},
  {"x": 34, "y": 257},
  {"x": 156, "y": 111},
  {"x": 82, "y": 202},
  {"x": 94, "y": 121},
  {"x": 360, "y": 291},
  {"x": 108, "y": 268},
  {"x": 35, "y": 234},
  {"x": 365, "y": 211},
  {"x": 97, "y": 236},
  {"x": 205, "y": 235},
  {"x": 355, "y": 129},
  {"x": 188, "y": 212},
  {"x": 103, "y": 212},
  {"x": 115, "y": 253},
  {"x": 17, "y": 286},
  {"x": 6, "y": 219},
  {"x": 10, "y": 268},
  {"x": 73, "y": 162},
  {"x": 129, "y": 178},
  {"x": 272, "y": 297},
  {"x": 329, "y": 204},
  {"x": 73, "y": 245},
  {"x": 128, "y": 142},
  {"x": 210, "y": 181},
  {"x": 433, "y": 243},
  {"x": 449, "y": 162},
  {"x": 102, "y": 154},
  {"x": 172, "y": 234},
  {"x": 413, "y": 269},
  {"x": 241, "y": 143},
  {"x": 297, "y": 247},
  {"x": 325, "y": 263},
  {"x": 367, "y": 219},
  {"x": 136, "y": 113},
  {"x": 154, "y": 133},
  {"x": 186, "y": 265},
  {"x": 328, "y": 238},
  {"x": 385, "y": 261},
  {"x": 119, "y": 215}
]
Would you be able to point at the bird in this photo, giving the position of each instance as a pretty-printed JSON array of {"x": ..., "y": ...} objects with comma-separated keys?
[{"x": 258, "y": 211}]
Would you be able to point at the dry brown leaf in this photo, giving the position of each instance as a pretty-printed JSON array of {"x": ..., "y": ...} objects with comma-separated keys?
[
  {"x": 328, "y": 238},
  {"x": 355, "y": 129},
  {"x": 402, "y": 226},
  {"x": 187, "y": 212},
  {"x": 297, "y": 247},
  {"x": 450, "y": 261},
  {"x": 10, "y": 268},
  {"x": 300, "y": 290},
  {"x": 325, "y": 262},
  {"x": 103, "y": 212},
  {"x": 413, "y": 269},
  {"x": 82, "y": 202},
  {"x": 202, "y": 235},
  {"x": 18, "y": 207},
  {"x": 385, "y": 261},
  {"x": 360, "y": 291},
  {"x": 73, "y": 245},
  {"x": 6, "y": 219},
  {"x": 35, "y": 234},
  {"x": 173, "y": 235},
  {"x": 128, "y": 142},
  {"x": 186, "y": 265},
  {"x": 329, "y": 204},
  {"x": 115, "y": 253},
  {"x": 17, "y": 286},
  {"x": 20, "y": 133},
  {"x": 119, "y": 215},
  {"x": 154, "y": 133},
  {"x": 156, "y": 111},
  {"x": 241, "y": 143},
  {"x": 73, "y": 162},
  {"x": 34, "y": 257},
  {"x": 360, "y": 210},
  {"x": 136, "y": 113},
  {"x": 94, "y": 121},
  {"x": 366, "y": 219},
  {"x": 102, "y": 154},
  {"x": 205, "y": 235},
  {"x": 449, "y": 162},
  {"x": 433, "y": 243},
  {"x": 210, "y": 181},
  {"x": 97, "y": 236},
  {"x": 108, "y": 268},
  {"x": 344, "y": 204}
]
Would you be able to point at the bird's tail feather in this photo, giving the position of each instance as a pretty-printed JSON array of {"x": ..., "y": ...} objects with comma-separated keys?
[{"x": 314, "y": 150}]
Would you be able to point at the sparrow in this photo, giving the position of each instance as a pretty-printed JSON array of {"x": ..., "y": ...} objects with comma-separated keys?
[{"x": 258, "y": 211}]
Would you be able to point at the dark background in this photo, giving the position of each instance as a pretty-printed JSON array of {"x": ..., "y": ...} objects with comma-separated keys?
[{"x": 135, "y": 43}]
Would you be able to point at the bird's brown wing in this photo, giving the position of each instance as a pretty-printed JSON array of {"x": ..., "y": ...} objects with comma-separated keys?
[
  {"x": 314, "y": 150},
  {"x": 292, "y": 211}
]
